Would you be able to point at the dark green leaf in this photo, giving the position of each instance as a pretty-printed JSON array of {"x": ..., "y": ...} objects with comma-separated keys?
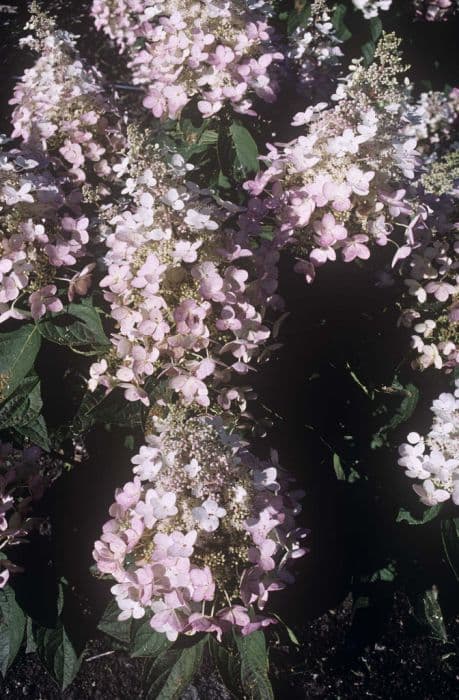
[
  {"x": 12, "y": 627},
  {"x": 290, "y": 633},
  {"x": 411, "y": 396},
  {"x": 450, "y": 538},
  {"x": 36, "y": 432},
  {"x": 110, "y": 624},
  {"x": 223, "y": 181},
  {"x": 246, "y": 149},
  {"x": 267, "y": 232},
  {"x": 229, "y": 667},
  {"x": 254, "y": 666},
  {"x": 86, "y": 331},
  {"x": 386, "y": 574},
  {"x": 376, "y": 28},
  {"x": 298, "y": 18},
  {"x": 24, "y": 406},
  {"x": 57, "y": 653},
  {"x": 98, "y": 407},
  {"x": 208, "y": 138},
  {"x": 18, "y": 351},
  {"x": 342, "y": 31},
  {"x": 429, "y": 514},
  {"x": 368, "y": 52},
  {"x": 428, "y": 612},
  {"x": 167, "y": 676},
  {"x": 147, "y": 642},
  {"x": 31, "y": 646}
]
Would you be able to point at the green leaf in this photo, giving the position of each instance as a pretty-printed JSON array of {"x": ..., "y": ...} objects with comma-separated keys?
[
  {"x": 208, "y": 138},
  {"x": 36, "y": 432},
  {"x": 450, "y": 539},
  {"x": 342, "y": 31},
  {"x": 18, "y": 351},
  {"x": 298, "y": 18},
  {"x": 24, "y": 406},
  {"x": 246, "y": 149},
  {"x": 254, "y": 666},
  {"x": 85, "y": 416},
  {"x": 387, "y": 574},
  {"x": 429, "y": 514},
  {"x": 167, "y": 676},
  {"x": 338, "y": 467},
  {"x": 147, "y": 642},
  {"x": 428, "y": 612},
  {"x": 267, "y": 232},
  {"x": 359, "y": 382},
  {"x": 57, "y": 653},
  {"x": 402, "y": 414},
  {"x": 223, "y": 181},
  {"x": 228, "y": 665},
  {"x": 109, "y": 623},
  {"x": 290, "y": 633},
  {"x": 31, "y": 646},
  {"x": 12, "y": 627},
  {"x": 368, "y": 52},
  {"x": 86, "y": 331},
  {"x": 376, "y": 28},
  {"x": 98, "y": 407}
]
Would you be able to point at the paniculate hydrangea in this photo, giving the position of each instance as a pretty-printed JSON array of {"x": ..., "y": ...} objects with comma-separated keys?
[
  {"x": 435, "y": 10},
  {"x": 178, "y": 285},
  {"x": 217, "y": 50},
  {"x": 340, "y": 185},
  {"x": 435, "y": 458},
  {"x": 315, "y": 54},
  {"x": 204, "y": 531},
  {"x": 61, "y": 108},
  {"x": 431, "y": 272},
  {"x": 435, "y": 122},
  {"x": 65, "y": 128},
  {"x": 24, "y": 476}
]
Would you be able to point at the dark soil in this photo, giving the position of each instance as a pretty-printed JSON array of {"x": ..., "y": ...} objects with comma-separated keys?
[{"x": 402, "y": 664}]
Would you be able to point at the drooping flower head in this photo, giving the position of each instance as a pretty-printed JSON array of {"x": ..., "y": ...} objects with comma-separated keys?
[
  {"x": 338, "y": 187},
  {"x": 68, "y": 135},
  {"x": 220, "y": 52},
  {"x": 203, "y": 532},
  {"x": 180, "y": 284},
  {"x": 434, "y": 459}
]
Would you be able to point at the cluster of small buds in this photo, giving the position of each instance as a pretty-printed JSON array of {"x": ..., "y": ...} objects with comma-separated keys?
[
  {"x": 204, "y": 531},
  {"x": 178, "y": 285},
  {"x": 435, "y": 458},
  {"x": 315, "y": 53},
  {"x": 333, "y": 188},
  {"x": 67, "y": 135},
  {"x": 24, "y": 476},
  {"x": 220, "y": 52},
  {"x": 372, "y": 8},
  {"x": 435, "y": 10}
]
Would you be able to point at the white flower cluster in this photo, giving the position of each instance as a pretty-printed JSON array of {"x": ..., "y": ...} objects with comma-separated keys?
[
  {"x": 372, "y": 8},
  {"x": 435, "y": 458}
]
